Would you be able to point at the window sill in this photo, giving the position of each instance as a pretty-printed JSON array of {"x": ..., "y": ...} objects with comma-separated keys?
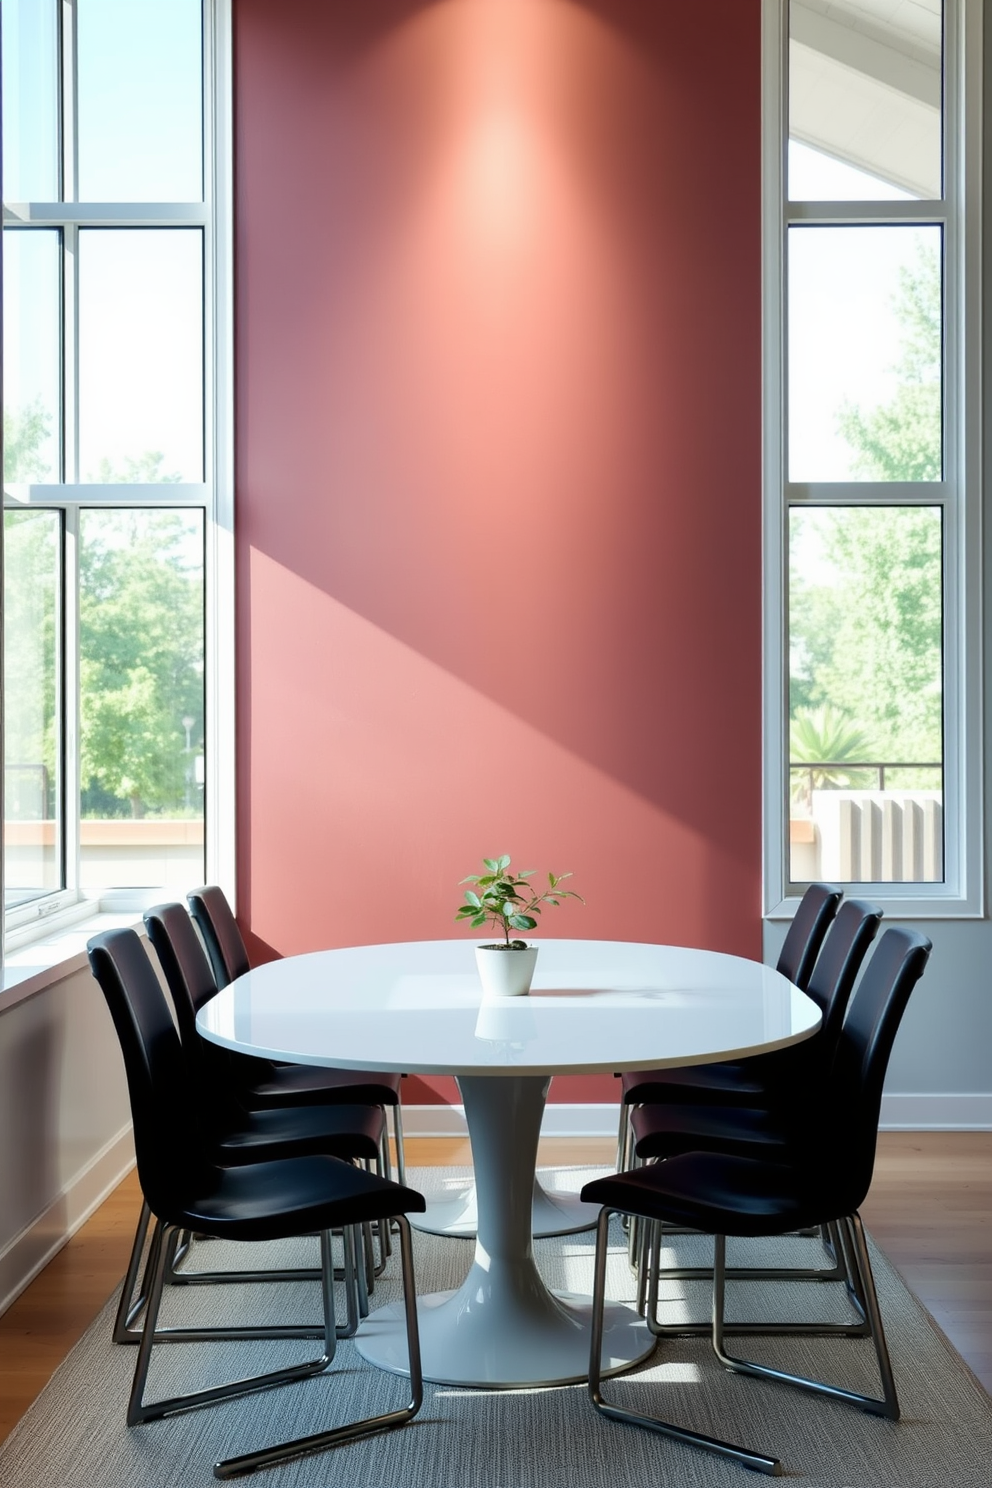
[{"x": 34, "y": 967}]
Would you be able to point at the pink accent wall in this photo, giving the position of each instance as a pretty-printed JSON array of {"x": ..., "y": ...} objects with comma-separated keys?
[{"x": 498, "y": 465}]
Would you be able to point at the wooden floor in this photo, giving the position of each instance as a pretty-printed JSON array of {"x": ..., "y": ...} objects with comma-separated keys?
[{"x": 930, "y": 1208}]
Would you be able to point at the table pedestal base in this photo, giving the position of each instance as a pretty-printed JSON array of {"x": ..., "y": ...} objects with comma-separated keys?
[
  {"x": 551, "y": 1213},
  {"x": 465, "y": 1342},
  {"x": 503, "y": 1328}
]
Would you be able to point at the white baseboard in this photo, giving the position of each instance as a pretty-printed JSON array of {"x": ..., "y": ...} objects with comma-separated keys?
[
  {"x": 593, "y": 1119},
  {"x": 936, "y": 1112},
  {"x": 434, "y": 1121},
  {"x": 23, "y": 1257},
  {"x": 899, "y": 1113}
]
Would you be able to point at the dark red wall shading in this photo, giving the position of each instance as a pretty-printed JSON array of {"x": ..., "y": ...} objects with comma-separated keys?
[{"x": 498, "y": 464}]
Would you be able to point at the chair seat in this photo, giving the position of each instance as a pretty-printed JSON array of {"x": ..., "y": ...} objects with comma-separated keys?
[
  {"x": 277, "y": 1199},
  {"x": 662, "y": 1131},
  {"x": 722, "y": 1195},
  {"x": 303, "y": 1084},
  {"x": 338, "y": 1131}
]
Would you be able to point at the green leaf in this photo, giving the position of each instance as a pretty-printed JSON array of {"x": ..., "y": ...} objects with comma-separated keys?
[
  {"x": 493, "y": 864},
  {"x": 522, "y": 922},
  {"x": 472, "y": 898},
  {"x": 481, "y": 920},
  {"x": 471, "y": 879},
  {"x": 501, "y": 863}
]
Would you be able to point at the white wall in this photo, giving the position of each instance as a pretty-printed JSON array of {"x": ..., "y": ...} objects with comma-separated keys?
[{"x": 65, "y": 1126}]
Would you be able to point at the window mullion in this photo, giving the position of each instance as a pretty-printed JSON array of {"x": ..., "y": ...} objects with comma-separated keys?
[
  {"x": 70, "y": 701},
  {"x": 69, "y": 96},
  {"x": 219, "y": 795},
  {"x": 870, "y": 493},
  {"x": 70, "y": 355},
  {"x": 863, "y": 214}
]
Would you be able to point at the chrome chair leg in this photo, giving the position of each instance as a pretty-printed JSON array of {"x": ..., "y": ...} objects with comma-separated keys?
[
  {"x": 368, "y": 1261},
  {"x": 353, "y": 1283},
  {"x": 888, "y": 1405},
  {"x": 648, "y": 1249},
  {"x": 140, "y": 1410},
  {"x": 128, "y": 1312},
  {"x": 359, "y": 1255},
  {"x": 398, "y": 1137},
  {"x": 129, "y": 1307},
  {"x": 757, "y": 1461},
  {"x": 621, "y": 1162},
  {"x": 400, "y": 1162},
  {"x": 235, "y": 1466},
  {"x": 836, "y": 1271},
  {"x": 857, "y": 1328},
  {"x": 386, "y": 1169}
]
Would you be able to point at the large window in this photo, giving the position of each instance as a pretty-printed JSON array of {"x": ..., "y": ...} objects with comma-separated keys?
[
  {"x": 872, "y": 447},
  {"x": 116, "y": 460}
]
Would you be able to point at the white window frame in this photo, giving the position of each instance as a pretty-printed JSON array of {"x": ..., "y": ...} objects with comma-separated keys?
[
  {"x": 215, "y": 496},
  {"x": 961, "y": 895}
]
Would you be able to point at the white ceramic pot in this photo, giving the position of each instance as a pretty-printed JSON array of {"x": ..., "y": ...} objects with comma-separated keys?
[{"x": 506, "y": 972}]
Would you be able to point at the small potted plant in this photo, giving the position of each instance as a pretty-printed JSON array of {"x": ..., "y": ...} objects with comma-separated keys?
[{"x": 507, "y": 901}]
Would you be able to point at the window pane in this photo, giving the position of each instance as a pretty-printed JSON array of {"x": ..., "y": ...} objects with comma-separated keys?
[
  {"x": 141, "y": 354},
  {"x": 865, "y": 354},
  {"x": 31, "y": 601},
  {"x": 141, "y": 698},
  {"x": 865, "y": 86},
  {"x": 31, "y": 359},
  {"x": 866, "y": 694},
  {"x": 140, "y": 100},
  {"x": 30, "y": 101}
]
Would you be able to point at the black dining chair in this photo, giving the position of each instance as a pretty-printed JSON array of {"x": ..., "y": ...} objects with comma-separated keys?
[
  {"x": 730, "y": 1079},
  {"x": 245, "y": 1127},
  {"x": 239, "y": 1136},
  {"x": 739, "y": 1112},
  {"x": 822, "y": 1176},
  {"x": 189, "y": 1186},
  {"x": 759, "y": 1121},
  {"x": 286, "y": 1084}
]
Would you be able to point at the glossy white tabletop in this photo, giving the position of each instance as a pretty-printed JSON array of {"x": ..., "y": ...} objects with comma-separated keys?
[{"x": 595, "y": 1005}]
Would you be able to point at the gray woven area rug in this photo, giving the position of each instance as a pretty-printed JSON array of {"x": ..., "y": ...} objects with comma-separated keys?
[{"x": 74, "y": 1436}]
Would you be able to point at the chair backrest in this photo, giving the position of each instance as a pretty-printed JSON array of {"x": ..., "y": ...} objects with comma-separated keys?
[
  {"x": 221, "y": 936},
  {"x": 832, "y": 982},
  {"x": 190, "y": 980},
  {"x": 191, "y": 983},
  {"x": 809, "y": 925},
  {"x": 168, "y": 1138},
  {"x": 848, "y": 1129}
]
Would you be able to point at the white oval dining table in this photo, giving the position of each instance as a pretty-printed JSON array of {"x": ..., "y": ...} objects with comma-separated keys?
[{"x": 595, "y": 1006}]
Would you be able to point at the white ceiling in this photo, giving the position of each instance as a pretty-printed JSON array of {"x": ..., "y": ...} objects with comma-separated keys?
[{"x": 865, "y": 85}]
